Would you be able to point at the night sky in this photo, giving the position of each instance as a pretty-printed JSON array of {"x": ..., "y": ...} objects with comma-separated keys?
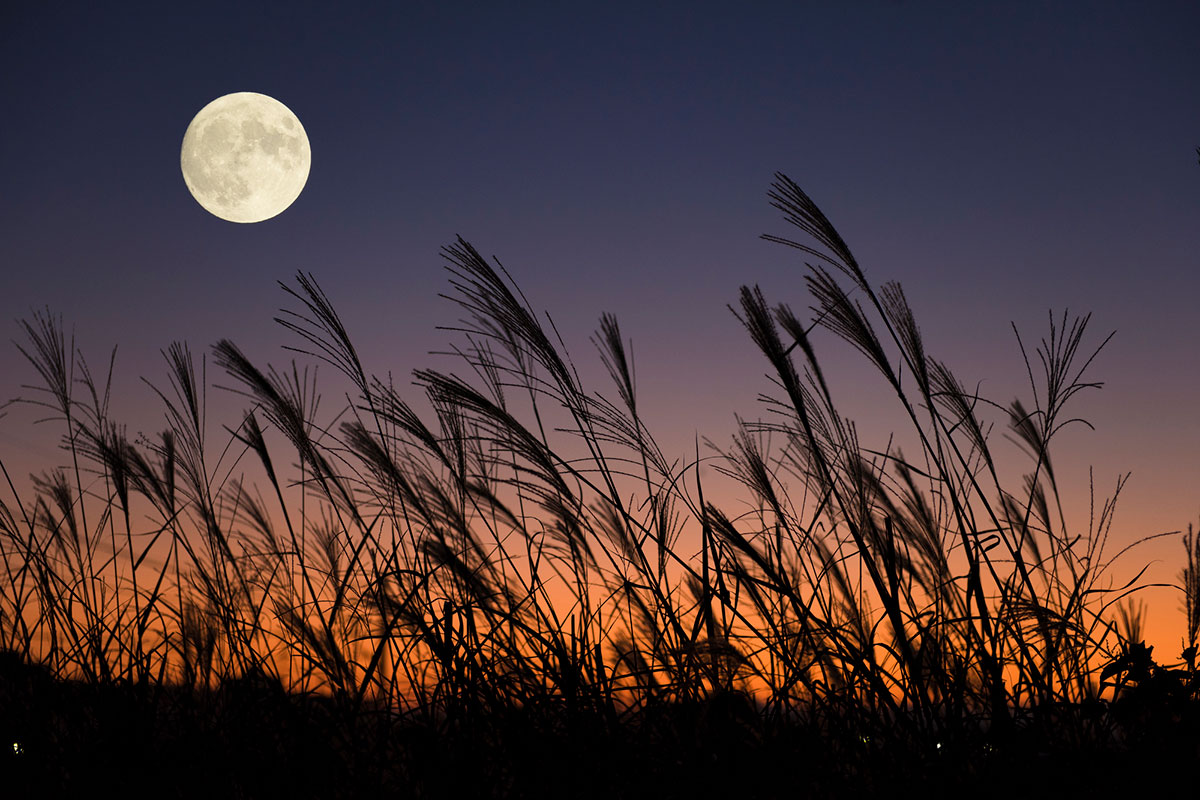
[{"x": 999, "y": 163}]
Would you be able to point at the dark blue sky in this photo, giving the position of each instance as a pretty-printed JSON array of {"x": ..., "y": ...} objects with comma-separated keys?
[{"x": 999, "y": 162}]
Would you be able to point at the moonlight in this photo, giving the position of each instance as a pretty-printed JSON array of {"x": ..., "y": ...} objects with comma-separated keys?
[{"x": 245, "y": 157}]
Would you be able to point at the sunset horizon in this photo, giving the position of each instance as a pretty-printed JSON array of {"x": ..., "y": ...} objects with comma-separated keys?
[{"x": 419, "y": 390}]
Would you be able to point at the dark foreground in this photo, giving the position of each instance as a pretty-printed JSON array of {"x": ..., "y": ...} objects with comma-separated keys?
[{"x": 254, "y": 740}]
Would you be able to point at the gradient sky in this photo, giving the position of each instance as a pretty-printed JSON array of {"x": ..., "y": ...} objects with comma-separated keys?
[{"x": 999, "y": 163}]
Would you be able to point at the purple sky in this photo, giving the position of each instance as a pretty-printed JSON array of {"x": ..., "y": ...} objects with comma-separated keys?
[{"x": 997, "y": 163}]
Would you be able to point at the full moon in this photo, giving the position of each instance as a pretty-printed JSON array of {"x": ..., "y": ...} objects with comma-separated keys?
[{"x": 245, "y": 157}]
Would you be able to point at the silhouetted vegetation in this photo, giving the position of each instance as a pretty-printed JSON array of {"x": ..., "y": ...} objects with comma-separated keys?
[{"x": 512, "y": 590}]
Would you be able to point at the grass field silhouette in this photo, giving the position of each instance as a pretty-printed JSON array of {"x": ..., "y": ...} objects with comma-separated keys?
[{"x": 513, "y": 591}]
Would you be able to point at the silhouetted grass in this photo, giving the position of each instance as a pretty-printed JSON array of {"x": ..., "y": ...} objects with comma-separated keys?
[{"x": 515, "y": 591}]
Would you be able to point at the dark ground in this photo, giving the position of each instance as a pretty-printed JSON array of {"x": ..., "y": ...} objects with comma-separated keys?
[{"x": 254, "y": 740}]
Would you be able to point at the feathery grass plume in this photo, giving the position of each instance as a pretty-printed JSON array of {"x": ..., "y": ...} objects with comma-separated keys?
[
  {"x": 496, "y": 313},
  {"x": 184, "y": 443},
  {"x": 285, "y": 402},
  {"x": 613, "y": 355},
  {"x": 1131, "y": 621},
  {"x": 196, "y": 643},
  {"x": 799, "y": 209},
  {"x": 952, "y": 396},
  {"x": 47, "y": 352},
  {"x": 847, "y": 320},
  {"x": 1058, "y": 356},
  {"x": 1190, "y": 576},
  {"x": 324, "y": 331},
  {"x": 900, "y": 315},
  {"x": 1032, "y": 436},
  {"x": 156, "y": 483}
]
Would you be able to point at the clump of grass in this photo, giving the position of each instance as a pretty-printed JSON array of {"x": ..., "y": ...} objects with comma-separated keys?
[{"x": 506, "y": 580}]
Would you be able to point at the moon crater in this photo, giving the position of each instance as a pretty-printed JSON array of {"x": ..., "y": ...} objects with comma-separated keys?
[{"x": 245, "y": 157}]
